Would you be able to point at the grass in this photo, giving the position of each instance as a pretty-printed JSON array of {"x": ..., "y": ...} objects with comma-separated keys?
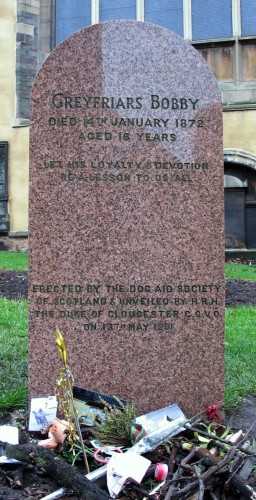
[
  {"x": 13, "y": 261},
  {"x": 240, "y": 271},
  {"x": 240, "y": 342},
  {"x": 13, "y": 353},
  {"x": 240, "y": 354}
]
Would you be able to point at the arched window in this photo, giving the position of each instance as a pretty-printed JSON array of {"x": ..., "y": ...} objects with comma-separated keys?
[
  {"x": 240, "y": 199},
  {"x": 4, "y": 217}
]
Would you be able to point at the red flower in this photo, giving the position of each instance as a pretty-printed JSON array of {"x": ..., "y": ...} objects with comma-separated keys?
[{"x": 211, "y": 412}]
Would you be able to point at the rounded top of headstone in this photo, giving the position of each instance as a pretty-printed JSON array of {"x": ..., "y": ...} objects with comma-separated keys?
[{"x": 123, "y": 51}]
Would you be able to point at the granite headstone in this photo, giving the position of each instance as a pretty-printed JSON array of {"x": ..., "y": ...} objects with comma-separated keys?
[{"x": 126, "y": 218}]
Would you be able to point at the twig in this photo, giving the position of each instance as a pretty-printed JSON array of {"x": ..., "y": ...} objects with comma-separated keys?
[
  {"x": 205, "y": 476},
  {"x": 177, "y": 474},
  {"x": 201, "y": 483},
  {"x": 180, "y": 479},
  {"x": 142, "y": 491},
  {"x": 171, "y": 460},
  {"x": 247, "y": 433},
  {"x": 221, "y": 440}
]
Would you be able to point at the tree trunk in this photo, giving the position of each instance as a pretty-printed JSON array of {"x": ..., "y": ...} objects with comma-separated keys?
[{"x": 64, "y": 474}]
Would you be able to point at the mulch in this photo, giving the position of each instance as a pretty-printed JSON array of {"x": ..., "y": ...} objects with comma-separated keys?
[
  {"x": 14, "y": 284},
  {"x": 240, "y": 293}
]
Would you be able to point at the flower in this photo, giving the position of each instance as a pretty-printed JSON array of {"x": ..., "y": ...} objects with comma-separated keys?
[{"x": 211, "y": 412}]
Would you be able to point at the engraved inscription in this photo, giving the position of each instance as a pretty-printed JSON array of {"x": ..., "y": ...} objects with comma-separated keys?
[{"x": 146, "y": 306}]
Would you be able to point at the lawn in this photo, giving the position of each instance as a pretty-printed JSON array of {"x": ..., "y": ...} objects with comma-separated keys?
[
  {"x": 13, "y": 353},
  {"x": 240, "y": 354},
  {"x": 240, "y": 271},
  {"x": 13, "y": 340},
  {"x": 13, "y": 261},
  {"x": 240, "y": 341}
]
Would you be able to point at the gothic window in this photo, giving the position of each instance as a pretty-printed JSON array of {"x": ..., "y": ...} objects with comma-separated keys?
[
  {"x": 4, "y": 218},
  {"x": 71, "y": 17},
  {"x": 211, "y": 19},
  {"x": 248, "y": 17},
  {"x": 165, "y": 13},
  {"x": 117, "y": 9}
]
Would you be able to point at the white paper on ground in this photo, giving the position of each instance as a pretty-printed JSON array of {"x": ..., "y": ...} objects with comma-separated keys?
[
  {"x": 123, "y": 468},
  {"x": 10, "y": 435}
]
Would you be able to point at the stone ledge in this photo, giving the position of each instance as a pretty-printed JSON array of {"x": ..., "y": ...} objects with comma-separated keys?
[
  {"x": 19, "y": 243},
  {"x": 18, "y": 234},
  {"x": 239, "y": 106},
  {"x": 26, "y": 29},
  {"x": 20, "y": 122}
]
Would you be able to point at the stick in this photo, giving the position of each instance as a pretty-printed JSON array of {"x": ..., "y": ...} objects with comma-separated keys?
[
  {"x": 201, "y": 483},
  {"x": 216, "y": 438},
  {"x": 177, "y": 473},
  {"x": 63, "y": 473},
  {"x": 206, "y": 477}
]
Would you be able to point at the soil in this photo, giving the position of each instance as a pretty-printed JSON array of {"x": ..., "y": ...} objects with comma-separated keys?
[
  {"x": 240, "y": 293},
  {"x": 35, "y": 483},
  {"x": 14, "y": 284}
]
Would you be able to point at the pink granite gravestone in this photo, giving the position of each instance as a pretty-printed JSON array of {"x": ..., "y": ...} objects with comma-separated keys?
[{"x": 126, "y": 218}]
